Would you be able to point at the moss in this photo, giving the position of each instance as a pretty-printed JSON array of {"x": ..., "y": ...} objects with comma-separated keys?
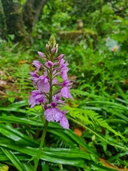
[{"x": 77, "y": 34}]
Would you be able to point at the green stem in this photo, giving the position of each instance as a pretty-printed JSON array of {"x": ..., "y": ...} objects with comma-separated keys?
[{"x": 41, "y": 145}]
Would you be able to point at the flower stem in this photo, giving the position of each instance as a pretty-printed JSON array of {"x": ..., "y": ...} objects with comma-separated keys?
[{"x": 41, "y": 145}]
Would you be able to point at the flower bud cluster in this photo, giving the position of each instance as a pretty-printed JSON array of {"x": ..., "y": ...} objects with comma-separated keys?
[{"x": 53, "y": 87}]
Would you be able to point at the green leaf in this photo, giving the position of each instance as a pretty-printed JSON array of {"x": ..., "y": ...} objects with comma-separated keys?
[
  {"x": 45, "y": 166},
  {"x": 13, "y": 159},
  {"x": 62, "y": 156},
  {"x": 60, "y": 133},
  {"x": 20, "y": 120},
  {"x": 14, "y": 134},
  {"x": 21, "y": 157}
]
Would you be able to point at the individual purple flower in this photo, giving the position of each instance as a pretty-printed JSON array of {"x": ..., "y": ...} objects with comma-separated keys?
[
  {"x": 66, "y": 93},
  {"x": 37, "y": 64},
  {"x": 64, "y": 74},
  {"x": 57, "y": 99},
  {"x": 53, "y": 114},
  {"x": 36, "y": 98},
  {"x": 43, "y": 84},
  {"x": 63, "y": 68},
  {"x": 63, "y": 63},
  {"x": 34, "y": 77},
  {"x": 65, "y": 90}
]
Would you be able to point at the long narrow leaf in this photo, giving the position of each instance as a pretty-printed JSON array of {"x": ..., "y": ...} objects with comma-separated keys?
[
  {"x": 45, "y": 166},
  {"x": 60, "y": 133},
  {"x": 13, "y": 159},
  {"x": 70, "y": 159},
  {"x": 19, "y": 120},
  {"x": 80, "y": 141},
  {"x": 27, "y": 166},
  {"x": 14, "y": 134},
  {"x": 21, "y": 157}
]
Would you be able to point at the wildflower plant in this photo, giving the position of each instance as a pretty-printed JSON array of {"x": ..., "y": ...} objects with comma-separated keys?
[{"x": 51, "y": 88}]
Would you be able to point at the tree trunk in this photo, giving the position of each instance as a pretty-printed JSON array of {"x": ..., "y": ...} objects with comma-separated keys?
[
  {"x": 31, "y": 12},
  {"x": 19, "y": 22},
  {"x": 28, "y": 15},
  {"x": 38, "y": 7},
  {"x": 13, "y": 19},
  {"x": 2, "y": 21}
]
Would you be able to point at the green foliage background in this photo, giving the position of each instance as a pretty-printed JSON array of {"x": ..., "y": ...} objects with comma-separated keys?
[{"x": 98, "y": 61}]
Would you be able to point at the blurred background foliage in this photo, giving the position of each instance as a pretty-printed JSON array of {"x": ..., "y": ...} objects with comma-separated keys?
[{"x": 94, "y": 38}]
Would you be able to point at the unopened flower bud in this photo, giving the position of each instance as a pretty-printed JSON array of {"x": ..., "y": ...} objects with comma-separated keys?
[
  {"x": 49, "y": 63},
  {"x": 53, "y": 50},
  {"x": 60, "y": 56},
  {"x": 56, "y": 48},
  {"x": 47, "y": 47},
  {"x": 52, "y": 41},
  {"x": 41, "y": 54}
]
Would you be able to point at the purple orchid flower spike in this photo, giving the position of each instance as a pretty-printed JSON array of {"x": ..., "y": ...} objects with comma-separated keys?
[{"x": 50, "y": 92}]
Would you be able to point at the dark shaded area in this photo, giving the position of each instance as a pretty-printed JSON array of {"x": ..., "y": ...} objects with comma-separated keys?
[
  {"x": 20, "y": 22},
  {"x": 13, "y": 19}
]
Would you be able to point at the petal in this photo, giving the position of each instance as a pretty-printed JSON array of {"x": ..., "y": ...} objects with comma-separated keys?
[
  {"x": 64, "y": 122},
  {"x": 66, "y": 93},
  {"x": 37, "y": 64},
  {"x": 31, "y": 101},
  {"x": 40, "y": 98},
  {"x": 49, "y": 63},
  {"x": 53, "y": 114},
  {"x": 34, "y": 77},
  {"x": 64, "y": 74},
  {"x": 60, "y": 56},
  {"x": 43, "y": 86},
  {"x": 54, "y": 81}
]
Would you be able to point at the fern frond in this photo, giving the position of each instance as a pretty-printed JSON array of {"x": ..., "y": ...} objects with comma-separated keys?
[
  {"x": 77, "y": 92},
  {"x": 89, "y": 117}
]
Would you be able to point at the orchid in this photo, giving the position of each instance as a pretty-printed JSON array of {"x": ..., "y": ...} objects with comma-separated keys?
[
  {"x": 36, "y": 98},
  {"x": 51, "y": 93},
  {"x": 43, "y": 84},
  {"x": 37, "y": 64}
]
